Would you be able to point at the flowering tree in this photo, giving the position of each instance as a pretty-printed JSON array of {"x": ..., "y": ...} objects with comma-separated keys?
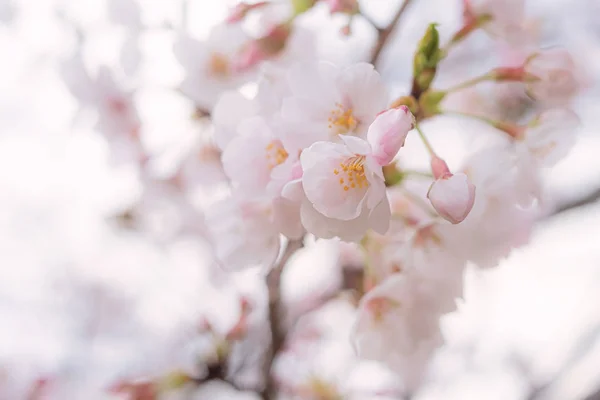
[{"x": 298, "y": 167}]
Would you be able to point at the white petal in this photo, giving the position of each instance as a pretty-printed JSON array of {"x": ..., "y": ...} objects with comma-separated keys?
[
  {"x": 363, "y": 87},
  {"x": 245, "y": 158},
  {"x": 452, "y": 197},
  {"x": 324, "y": 188},
  {"x": 231, "y": 109},
  {"x": 356, "y": 145}
]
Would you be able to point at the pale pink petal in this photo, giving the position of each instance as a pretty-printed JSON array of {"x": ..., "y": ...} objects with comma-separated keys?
[
  {"x": 325, "y": 183},
  {"x": 388, "y": 132},
  {"x": 231, "y": 109},
  {"x": 452, "y": 197},
  {"x": 364, "y": 90}
]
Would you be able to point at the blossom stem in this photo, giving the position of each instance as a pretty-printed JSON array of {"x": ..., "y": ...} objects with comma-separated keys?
[
  {"x": 513, "y": 130},
  {"x": 385, "y": 34},
  {"x": 471, "y": 82},
  {"x": 418, "y": 201},
  {"x": 425, "y": 141},
  {"x": 417, "y": 174}
]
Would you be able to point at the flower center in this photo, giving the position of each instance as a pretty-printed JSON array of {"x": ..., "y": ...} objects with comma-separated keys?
[
  {"x": 351, "y": 173},
  {"x": 218, "y": 65},
  {"x": 275, "y": 154},
  {"x": 380, "y": 306},
  {"x": 342, "y": 120}
]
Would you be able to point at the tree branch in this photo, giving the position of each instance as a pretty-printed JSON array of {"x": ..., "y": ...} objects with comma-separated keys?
[
  {"x": 583, "y": 201},
  {"x": 385, "y": 33},
  {"x": 277, "y": 335}
]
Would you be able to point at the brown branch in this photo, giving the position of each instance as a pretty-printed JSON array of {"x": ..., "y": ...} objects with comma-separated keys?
[
  {"x": 385, "y": 33},
  {"x": 580, "y": 202},
  {"x": 277, "y": 334}
]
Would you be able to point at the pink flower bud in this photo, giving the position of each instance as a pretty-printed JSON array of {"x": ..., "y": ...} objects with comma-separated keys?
[
  {"x": 439, "y": 168},
  {"x": 387, "y": 133},
  {"x": 452, "y": 197}
]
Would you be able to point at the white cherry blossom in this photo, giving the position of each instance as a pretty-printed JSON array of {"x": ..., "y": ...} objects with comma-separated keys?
[
  {"x": 554, "y": 76},
  {"x": 506, "y": 18},
  {"x": 398, "y": 326},
  {"x": 208, "y": 65},
  {"x": 550, "y": 136},
  {"x": 328, "y": 101}
]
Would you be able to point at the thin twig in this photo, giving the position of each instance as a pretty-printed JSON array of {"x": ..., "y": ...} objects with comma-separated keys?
[
  {"x": 580, "y": 202},
  {"x": 386, "y": 33},
  {"x": 277, "y": 335}
]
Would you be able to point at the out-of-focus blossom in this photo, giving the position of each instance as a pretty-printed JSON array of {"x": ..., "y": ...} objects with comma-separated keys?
[
  {"x": 504, "y": 19},
  {"x": 398, "y": 325},
  {"x": 243, "y": 233},
  {"x": 342, "y": 6},
  {"x": 208, "y": 65},
  {"x": 550, "y": 136},
  {"x": 553, "y": 76},
  {"x": 497, "y": 223}
]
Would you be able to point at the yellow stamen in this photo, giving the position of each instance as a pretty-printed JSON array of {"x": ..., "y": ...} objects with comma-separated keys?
[{"x": 342, "y": 120}]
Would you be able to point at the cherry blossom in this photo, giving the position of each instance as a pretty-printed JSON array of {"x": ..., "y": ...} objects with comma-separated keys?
[
  {"x": 553, "y": 76},
  {"x": 208, "y": 66},
  {"x": 506, "y": 18},
  {"x": 328, "y": 101},
  {"x": 243, "y": 233},
  {"x": 399, "y": 327},
  {"x": 551, "y": 135}
]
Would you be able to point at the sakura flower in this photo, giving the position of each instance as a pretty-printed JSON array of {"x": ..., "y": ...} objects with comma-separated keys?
[
  {"x": 554, "y": 76},
  {"x": 243, "y": 233},
  {"x": 328, "y": 101},
  {"x": 505, "y": 18},
  {"x": 550, "y": 136},
  {"x": 252, "y": 155},
  {"x": 208, "y": 65},
  {"x": 398, "y": 326},
  {"x": 343, "y": 182}
]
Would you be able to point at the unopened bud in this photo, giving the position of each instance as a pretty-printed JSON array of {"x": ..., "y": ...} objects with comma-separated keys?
[
  {"x": 388, "y": 132},
  {"x": 426, "y": 59},
  {"x": 452, "y": 196}
]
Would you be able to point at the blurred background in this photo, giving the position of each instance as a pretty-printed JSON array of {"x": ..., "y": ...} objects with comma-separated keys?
[{"x": 528, "y": 329}]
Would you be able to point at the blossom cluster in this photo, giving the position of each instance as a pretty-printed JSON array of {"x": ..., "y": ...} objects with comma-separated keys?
[{"x": 315, "y": 153}]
